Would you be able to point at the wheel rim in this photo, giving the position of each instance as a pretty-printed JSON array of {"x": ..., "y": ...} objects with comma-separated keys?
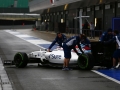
[{"x": 83, "y": 61}]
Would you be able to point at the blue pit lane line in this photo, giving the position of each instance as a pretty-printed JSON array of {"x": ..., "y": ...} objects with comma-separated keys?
[
  {"x": 113, "y": 75},
  {"x": 47, "y": 45},
  {"x": 30, "y": 38}
]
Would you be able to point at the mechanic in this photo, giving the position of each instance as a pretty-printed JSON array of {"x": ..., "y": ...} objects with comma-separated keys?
[
  {"x": 85, "y": 41},
  {"x": 116, "y": 54},
  {"x": 106, "y": 36},
  {"x": 68, "y": 46},
  {"x": 60, "y": 38}
]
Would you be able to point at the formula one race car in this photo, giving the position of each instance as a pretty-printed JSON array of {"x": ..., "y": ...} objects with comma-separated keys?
[
  {"x": 45, "y": 58},
  {"x": 100, "y": 54}
]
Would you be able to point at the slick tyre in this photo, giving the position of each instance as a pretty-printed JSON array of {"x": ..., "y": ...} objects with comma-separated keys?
[
  {"x": 20, "y": 59},
  {"x": 85, "y": 62}
]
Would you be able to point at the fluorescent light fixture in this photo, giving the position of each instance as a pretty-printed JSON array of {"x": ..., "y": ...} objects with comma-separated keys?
[
  {"x": 62, "y": 20},
  {"x": 95, "y": 21}
]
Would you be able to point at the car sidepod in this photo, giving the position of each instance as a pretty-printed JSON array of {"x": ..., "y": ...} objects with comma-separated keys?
[
  {"x": 20, "y": 59},
  {"x": 85, "y": 61}
]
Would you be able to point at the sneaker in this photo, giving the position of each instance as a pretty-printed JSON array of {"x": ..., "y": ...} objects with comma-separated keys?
[
  {"x": 64, "y": 68},
  {"x": 113, "y": 68},
  {"x": 67, "y": 68},
  {"x": 118, "y": 67}
]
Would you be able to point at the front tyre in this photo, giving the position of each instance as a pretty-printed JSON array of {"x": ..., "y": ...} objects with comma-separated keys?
[
  {"x": 85, "y": 62},
  {"x": 20, "y": 59}
]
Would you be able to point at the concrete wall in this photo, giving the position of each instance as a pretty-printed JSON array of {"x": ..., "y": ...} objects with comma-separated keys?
[
  {"x": 16, "y": 27},
  {"x": 44, "y": 4},
  {"x": 96, "y": 9}
]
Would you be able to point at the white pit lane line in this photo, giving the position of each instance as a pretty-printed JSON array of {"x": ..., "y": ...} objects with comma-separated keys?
[
  {"x": 41, "y": 41},
  {"x": 110, "y": 78},
  {"x": 35, "y": 42}
]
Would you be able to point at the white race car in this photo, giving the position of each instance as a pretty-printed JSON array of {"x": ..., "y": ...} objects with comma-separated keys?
[
  {"x": 99, "y": 54},
  {"x": 53, "y": 58}
]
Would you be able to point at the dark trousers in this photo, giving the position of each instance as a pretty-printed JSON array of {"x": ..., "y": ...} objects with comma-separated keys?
[{"x": 92, "y": 33}]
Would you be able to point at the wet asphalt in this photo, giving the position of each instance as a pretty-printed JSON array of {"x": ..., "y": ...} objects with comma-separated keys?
[{"x": 44, "y": 78}]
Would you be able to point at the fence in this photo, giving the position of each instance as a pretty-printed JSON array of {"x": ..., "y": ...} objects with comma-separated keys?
[
  {"x": 76, "y": 31},
  {"x": 87, "y": 32}
]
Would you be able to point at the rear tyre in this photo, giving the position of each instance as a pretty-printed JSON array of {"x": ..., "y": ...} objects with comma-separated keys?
[
  {"x": 85, "y": 62},
  {"x": 20, "y": 59}
]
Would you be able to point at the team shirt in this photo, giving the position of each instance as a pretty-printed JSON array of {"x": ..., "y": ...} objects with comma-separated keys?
[
  {"x": 106, "y": 37},
  {"x": 72, "y": 42},
  {"x": 58, "y": 40}
]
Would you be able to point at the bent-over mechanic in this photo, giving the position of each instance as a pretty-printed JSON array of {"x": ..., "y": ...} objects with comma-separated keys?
[
  {"x": 59, "y": 39},
  {"x": 85, "y": 41},
  {"x": 68, "y": 46}
]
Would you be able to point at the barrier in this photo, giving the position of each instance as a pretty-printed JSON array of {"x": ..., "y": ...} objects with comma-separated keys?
[{"x": 87, "y": 32}]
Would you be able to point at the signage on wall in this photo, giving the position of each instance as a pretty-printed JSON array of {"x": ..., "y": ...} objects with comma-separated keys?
[
  {"x": 88, "y": 9},
  {"x": 107, "y": 6},
  {"x": 61, "y": 12},
  {"x": 118, "y": 5},
  {"x": 97, "y": 8},
  {"x": 66, "y": 12},
  {"x": 115, "y": 23},
  {"x": 57, "y": 13}
]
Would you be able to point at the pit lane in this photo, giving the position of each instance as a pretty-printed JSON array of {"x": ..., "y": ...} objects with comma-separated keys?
[{"x": 42, "y": 78}]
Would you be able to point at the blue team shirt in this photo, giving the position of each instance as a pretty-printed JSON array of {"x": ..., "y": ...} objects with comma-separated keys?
[
  {"x": 85, "y": 42},
  {"x": 73, "y": 41},
  {"x": 106, "y": 37},
  {"x": 58, "y": 40},
  {"x": 114, "y": 39}
]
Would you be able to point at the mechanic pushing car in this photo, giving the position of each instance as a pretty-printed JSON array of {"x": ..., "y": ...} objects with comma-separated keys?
[
  {"x": 85, "y": 41},
  {"x": 116, "y": 54},
  {"x": 68, "y": 45},
  {"x": 60, "y": 38},
  {"x": 106, "y": 36}
]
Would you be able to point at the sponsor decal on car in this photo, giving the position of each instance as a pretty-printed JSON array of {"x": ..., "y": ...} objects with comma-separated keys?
[{"x": 52, "y": 56}]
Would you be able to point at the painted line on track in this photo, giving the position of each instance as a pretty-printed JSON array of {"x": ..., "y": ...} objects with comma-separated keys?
[
  {"x": 37, "y": 41},
  {"x": 106, "y": 76}
]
